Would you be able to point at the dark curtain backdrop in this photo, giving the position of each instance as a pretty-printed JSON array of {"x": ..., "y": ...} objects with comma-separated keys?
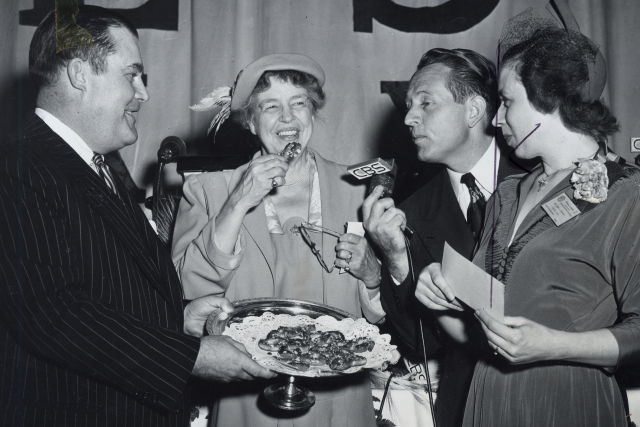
[{"x": 191, "y": 46}]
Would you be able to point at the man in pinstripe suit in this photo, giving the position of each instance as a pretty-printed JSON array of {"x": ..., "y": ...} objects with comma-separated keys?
[{"x": 93, "y": 329}]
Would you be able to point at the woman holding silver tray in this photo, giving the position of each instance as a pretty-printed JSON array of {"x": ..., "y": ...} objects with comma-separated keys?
[{"x": 266, "y": 230}]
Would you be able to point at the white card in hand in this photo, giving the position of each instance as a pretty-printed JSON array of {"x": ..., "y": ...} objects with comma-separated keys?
[
  {"x": 472, "y": 285},
  {"x": 353, "y": 228}
]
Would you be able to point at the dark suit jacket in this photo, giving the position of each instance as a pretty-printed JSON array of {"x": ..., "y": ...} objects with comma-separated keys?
[
  {"x": 91, "y": 310},
  {"x": 435, "y": 217}
]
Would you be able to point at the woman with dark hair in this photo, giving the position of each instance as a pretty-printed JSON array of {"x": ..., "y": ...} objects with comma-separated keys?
[
  {"x": 563, "y": 239},
  {"x": 257, "y": 231}
]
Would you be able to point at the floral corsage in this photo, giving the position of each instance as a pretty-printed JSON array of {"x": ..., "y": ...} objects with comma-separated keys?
[{"x": 590, "y": 181}]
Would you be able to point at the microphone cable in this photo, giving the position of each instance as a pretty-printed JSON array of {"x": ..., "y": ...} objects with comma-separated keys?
[{"x": 424, "y": 350}]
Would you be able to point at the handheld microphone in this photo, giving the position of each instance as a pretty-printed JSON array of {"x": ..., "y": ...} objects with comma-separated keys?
[
  {"x": 171, "y": 148},
  {"x": 383, "y": 172}
]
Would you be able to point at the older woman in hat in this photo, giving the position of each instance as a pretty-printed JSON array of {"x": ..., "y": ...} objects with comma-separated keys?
[
  {"x": 564, "y": 240},
  {"x": 238, "y": 233}
]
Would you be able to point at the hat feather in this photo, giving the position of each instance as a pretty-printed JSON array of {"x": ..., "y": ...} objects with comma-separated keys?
[
  {"x": 218, "y": 98},
  {"x": 223, "y": 115}
]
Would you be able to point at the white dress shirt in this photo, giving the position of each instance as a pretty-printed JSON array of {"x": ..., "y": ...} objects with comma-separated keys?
[
  {"x": 486, "y": 174},
  {"x": 69, "y": 136},
  {"x": 75, "y": 142}
]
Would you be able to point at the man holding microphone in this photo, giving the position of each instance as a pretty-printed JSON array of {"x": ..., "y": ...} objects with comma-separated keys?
[{"x": 452, "y": 99}]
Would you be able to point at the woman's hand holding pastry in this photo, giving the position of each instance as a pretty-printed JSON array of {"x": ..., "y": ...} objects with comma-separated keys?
[
  {"x": 520, "y": 340},
  {"x": 433, "y": 290},
  {"x": 262, "y": 175},
  {"x": 354, "y": 254}
]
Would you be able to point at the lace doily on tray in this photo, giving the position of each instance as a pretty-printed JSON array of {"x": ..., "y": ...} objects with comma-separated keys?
[{"x": 254, "y": 328}]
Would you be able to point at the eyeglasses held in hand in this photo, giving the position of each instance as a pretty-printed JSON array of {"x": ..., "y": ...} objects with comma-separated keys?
[{"x": 304, "y": 230}]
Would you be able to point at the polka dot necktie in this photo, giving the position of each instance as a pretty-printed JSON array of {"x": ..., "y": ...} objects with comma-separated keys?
[
  {"x": 105, "y": 173},
  {"x": 475, "y": 211}
]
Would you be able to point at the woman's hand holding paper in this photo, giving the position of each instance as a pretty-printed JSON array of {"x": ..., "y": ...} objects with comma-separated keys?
[{"x": 521, "y": 340}]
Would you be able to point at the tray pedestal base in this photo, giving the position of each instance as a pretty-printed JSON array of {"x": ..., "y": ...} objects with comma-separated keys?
[{"x": 289, "y": 396}]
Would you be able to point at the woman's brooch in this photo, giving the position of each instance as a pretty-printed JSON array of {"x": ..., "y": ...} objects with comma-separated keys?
[{"x": 590, "y": 181}]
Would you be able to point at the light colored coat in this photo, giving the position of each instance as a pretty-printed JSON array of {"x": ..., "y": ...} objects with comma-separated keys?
[{"x": 249, "y": 273}]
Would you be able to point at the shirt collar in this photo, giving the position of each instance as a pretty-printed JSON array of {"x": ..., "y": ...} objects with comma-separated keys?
[
  {"x": 68, "y": 135},
  {"x": 485, "y": 171}
]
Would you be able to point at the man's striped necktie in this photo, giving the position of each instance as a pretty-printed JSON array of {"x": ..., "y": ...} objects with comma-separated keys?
[
  {"x": 477, "y": 205},
  {"x": 105, "y": 173}
]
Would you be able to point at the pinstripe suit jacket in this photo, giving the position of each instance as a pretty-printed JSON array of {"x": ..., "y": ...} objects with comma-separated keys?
[{"x": 91, "y": 308}]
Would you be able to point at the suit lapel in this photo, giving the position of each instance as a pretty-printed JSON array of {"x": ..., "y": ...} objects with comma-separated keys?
[
  {"x": 333, "y": 217},
  {"x": 255, "y": 224},
  {"x": 443, "y": 220},
  {"x": 95, "y": 192},
  {"x": 156, "y": 250},
  {"x": 123, "y": 224},
  {"x": 440, "y": 218}
]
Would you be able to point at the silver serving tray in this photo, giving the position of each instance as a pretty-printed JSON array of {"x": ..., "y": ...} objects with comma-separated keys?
[{"x": 216, "y": 323}]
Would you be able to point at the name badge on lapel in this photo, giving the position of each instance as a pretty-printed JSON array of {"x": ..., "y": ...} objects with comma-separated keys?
[{"x": 561, "y": 209}]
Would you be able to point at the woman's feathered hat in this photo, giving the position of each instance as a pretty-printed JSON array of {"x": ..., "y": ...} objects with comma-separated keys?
[{"x": 234, "y": 98}]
